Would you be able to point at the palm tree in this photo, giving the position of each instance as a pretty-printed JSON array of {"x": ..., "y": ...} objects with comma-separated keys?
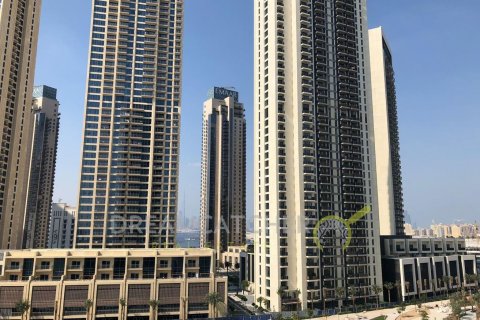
[
  {"x": 470, "y": 279},
  {"x": 389, "y": 286},
  {"x": 446, "y": 281},
  {"x": 297, "y": 295},
  {"x": 377, "y": 290},
  {"x": 23, "y": 306},
  {"x": 227, "y": 265},
  {"x": 419, "y": 288},
  {"x": 352, "y": 292},
  {"x": 340, "y": 294},
  {"x": 88, "y": 305},
  {"x": 432, "y": 286},
  {"x": 245, "y": 284},
  {"x": 154, "y": 306},
  {"x": 214, "y": 300},
  {"x": 281, "y": 294},
  {"x": 260, "y": 300},
  {"x": 407, "y": 288},
  {"x": 398, "y": 285},
  {"x": 122, "y": 302}
]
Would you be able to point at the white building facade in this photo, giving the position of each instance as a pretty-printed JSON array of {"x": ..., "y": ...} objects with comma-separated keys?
[
  {"x": 62, "y": 226},
  {"x": 314, "y": 153},
  {"x": 387, "y": 145}
]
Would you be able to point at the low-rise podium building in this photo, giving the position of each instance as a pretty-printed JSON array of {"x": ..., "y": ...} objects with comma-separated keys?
[
  {"x": 426, "y": 266},
  {"x": 115, "y": 283}
]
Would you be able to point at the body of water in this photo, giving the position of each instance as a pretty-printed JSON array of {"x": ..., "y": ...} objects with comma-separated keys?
[{"x": 188, "y": 239}]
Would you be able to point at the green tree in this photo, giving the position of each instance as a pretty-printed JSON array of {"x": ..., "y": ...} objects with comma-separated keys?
[
  {"x": 352, "y": 292},
  {"x": 260, "y": 301},
  {"x": 446, "y": 283},
  {"x": 214, "y": 299},
  {"x": 297, "y": 296},
  {"x": 476, "y": 300},
  {"x": 407, "y": 288},
  {"x": 123, "y": 303},
  {"x": 377, "y": 290},
  {"x": 245, "y": 284},
  {"x": 340, "y": 295},
  {"x": 419, "y": 288},
  {"x": 471, "y": 279},
  {"x": 398, "y": 285},
  {"x": 154, "y": 306},
  {"x": 389, "y": 287},
  {"x": 310, "y": 313},
  {"x": 23, "y": 307},
  {"x": 88, "y": 304},
  {"x": 227, "y": 265},
  {"x": 281, "y": 295},
  {"x": 457, "y": 303}
]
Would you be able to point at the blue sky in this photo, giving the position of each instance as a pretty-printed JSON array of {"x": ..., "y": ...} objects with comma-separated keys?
[{"x": 435, "y": 45}]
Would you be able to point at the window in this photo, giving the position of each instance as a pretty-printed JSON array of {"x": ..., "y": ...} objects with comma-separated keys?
[
  {"x": 13, "y": 277},
  {"x": 15, "y": 265},
  {"x": 104, "y": 276},
  {"x": 163, "y": 263},
  {"x": 75, "y": 264},
  {"x": 105, "y": 264},
  {"x": 44, "y": 277},
  {"x": 163, "y": 275},
  {"x": 134, "y": 276},
  {"x": 44, "y": 265},
  {"x": 75, "y": 277},
  {"x": 135, "y": 264},
  {"x": 191, "y": 263}
]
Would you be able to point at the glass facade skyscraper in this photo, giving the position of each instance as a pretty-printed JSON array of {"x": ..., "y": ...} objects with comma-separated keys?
[
  {"x": 46, "y": 121},
  {"x": 129, "y": 169}
]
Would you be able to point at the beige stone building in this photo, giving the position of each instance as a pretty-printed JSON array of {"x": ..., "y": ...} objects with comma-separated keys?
[
  {"x": 57, "y": 283},
  {"x": 42, "y": 167},
  {"x": 314, "y": 153},
  {"x": 223, "y": 189},
  {"x": 19, "y": 23},
  {"x": 387, "y": 145}
]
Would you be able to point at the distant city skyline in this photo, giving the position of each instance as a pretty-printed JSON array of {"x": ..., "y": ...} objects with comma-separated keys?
[{"x": 429, "y": 97}]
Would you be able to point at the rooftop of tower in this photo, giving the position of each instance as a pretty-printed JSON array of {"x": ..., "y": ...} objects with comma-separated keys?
[
  {"x": 221, "y": 93},
  {"x": 45, "y": 92}
]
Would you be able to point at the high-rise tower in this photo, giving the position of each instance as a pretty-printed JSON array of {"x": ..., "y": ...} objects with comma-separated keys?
[
  {"x": 19, "y": 23},
  {"x": 222, "y": 207},
  {"x": 314, "y": 154},
  {"x": 387, "y": 144},
  {"x": 42, "y": 167},
  {"x": 129, "y": 171},
  {"x": 62, "y": 226}
]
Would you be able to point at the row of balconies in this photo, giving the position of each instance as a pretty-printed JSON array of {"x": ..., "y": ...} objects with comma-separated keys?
[{"x": 419, "y": 246}]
